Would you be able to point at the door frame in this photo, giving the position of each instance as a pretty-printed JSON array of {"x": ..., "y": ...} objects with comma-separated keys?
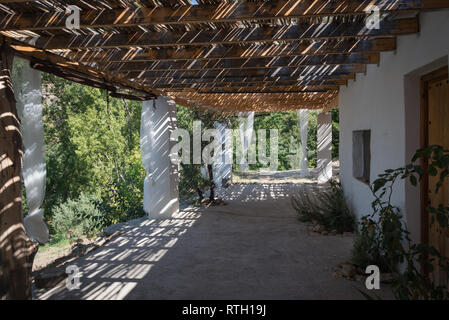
[{"x": 434, "y": 76}]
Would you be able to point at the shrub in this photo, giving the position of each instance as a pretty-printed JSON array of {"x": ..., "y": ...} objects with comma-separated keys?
[
  {"x": 328, "y": 208},
  {"x": 378, "y": 242},
  {"x": 122, "y": 200},
  {"x": 80, "y": 217},
  {"x": 384, "y": 240},
  {"x": 360, "y": 255}
]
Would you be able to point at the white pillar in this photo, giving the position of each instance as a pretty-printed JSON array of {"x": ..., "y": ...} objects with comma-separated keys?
[
  {"x": 27, "y": 88},
  {"x": 222, "y": 169},
  {"x": 246, "y": 123},
  {"x": 324, "y": 145},
  {"x": 303, "y": 123},
  {"x": 161, "y": 199},
  {"x": 204, "y": 169}
]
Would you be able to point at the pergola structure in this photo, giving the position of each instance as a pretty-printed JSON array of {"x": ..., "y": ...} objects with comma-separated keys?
[
  {"x": 268, "y": 55},
  {"x": 230, "y": 56}
]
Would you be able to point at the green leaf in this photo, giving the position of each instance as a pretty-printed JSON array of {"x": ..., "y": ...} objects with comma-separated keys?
[{"x": 413, "y": 180}]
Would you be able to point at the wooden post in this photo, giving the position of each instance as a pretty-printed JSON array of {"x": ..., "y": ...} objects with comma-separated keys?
[{"x": 16, "y": 250}]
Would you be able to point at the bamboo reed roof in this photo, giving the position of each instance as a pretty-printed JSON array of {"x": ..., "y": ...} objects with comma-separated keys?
[{"x": 227, "y": 55}]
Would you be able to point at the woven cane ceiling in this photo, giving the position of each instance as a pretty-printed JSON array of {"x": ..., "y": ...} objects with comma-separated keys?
[{"x": 227, "y": 55}]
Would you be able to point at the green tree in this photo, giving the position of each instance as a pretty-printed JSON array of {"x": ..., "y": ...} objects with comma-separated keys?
[{"x": 93, "y": 147}]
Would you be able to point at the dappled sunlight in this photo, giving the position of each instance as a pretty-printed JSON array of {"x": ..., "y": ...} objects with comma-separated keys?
[
  {"x": 114, "y": 270},
  {"x": 261, "y": 244},
  {"x": 257, "y": 192}
]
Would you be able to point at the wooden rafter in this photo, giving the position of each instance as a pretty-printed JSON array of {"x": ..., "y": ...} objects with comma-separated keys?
[
  {"x": 246, "y": 63},
  {"x": 257, "y": 96},
  {"x": 120, "y": 87},
  {"x": 334, "y": 70},
  {"x": 312, "y": 84},
  {"x": 272, "y": 89},
  {"x": 259, "y": 101},
  {"x": 291, "y": 49},
  {"x": 257, "y": 86},
  {"x": 244, "y": 79},
  {"x": 188, "y": 84},
  {"x": 74, "y": 69},
  {"x": 334, "y": 30},
  {"x": 222, "y": 13}
]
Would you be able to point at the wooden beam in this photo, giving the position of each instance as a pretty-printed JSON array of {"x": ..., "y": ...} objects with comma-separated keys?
[
  {"x": 228, "y": 103},
  {"x": 262, "y": 72},
  {"x": 273, "y": 89},
  {"x": 257, "y": 96},
  {"x": 247, "y": 63},
  {"x": 333, "y": 30},
  {"x": 292, "y": 49},
  {"x": 92, "y": 74},
  {"x": 123, "y": 87},
  {"x": 245, "y": 79},
  {"x": 236, "y": 100},
  {"x": 207, "y": 13},
  {"x": 17, "y": 251},
  {"x": 258, "y": 106},
  {"x": 321, "y": 84},
  {"x": 268, "y": 102},
  {"x": 271, "y": 102},
  {"x": 331, "y": 105}
]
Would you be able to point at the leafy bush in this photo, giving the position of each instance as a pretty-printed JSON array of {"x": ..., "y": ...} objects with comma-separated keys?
[
  {"x": 92, "y": 147},
  {"x": 77, "y": 218},
  {"x": 378, "y": 241},
  {"x": 360, "y": 254},
  {"x": 123, "y": 198},
  {"x": 328, "y": 208},
  {"x": 384, "y": 240}
]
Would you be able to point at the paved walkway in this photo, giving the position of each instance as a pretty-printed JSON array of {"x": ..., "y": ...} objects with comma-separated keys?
[{"x": 252, "y": 248}]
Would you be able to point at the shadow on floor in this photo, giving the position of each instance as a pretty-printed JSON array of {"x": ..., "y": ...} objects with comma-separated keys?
[{"x": 252, "y": 248}]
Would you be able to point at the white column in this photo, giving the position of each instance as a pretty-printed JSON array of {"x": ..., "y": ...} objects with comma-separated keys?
[
  {"x": 204, "y": 169},
  {"x": 161, "y": 184},
  {"x": 324, "y": 145},
  {"x": 27, "y": 88},
  {"x": 222, "y": 169},
  {"x": 303, "y": 123},
  {"x": 246, "y": 123}
]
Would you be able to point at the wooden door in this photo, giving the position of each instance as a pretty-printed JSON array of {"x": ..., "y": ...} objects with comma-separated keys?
[{"x": 436, "y": 95}]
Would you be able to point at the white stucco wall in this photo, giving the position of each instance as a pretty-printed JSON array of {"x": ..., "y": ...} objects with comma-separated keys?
[
  {"x": 161, "y": 198},
  {"x": 386, "y": 101}
]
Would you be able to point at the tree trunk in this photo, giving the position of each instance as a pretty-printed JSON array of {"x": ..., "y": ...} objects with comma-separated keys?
[
  {"x": 16, "y": 250},
  {"x": 212, "y": 184}
]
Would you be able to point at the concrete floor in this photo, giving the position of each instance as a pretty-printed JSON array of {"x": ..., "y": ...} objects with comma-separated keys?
[{"x": 252, "y": 248}]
